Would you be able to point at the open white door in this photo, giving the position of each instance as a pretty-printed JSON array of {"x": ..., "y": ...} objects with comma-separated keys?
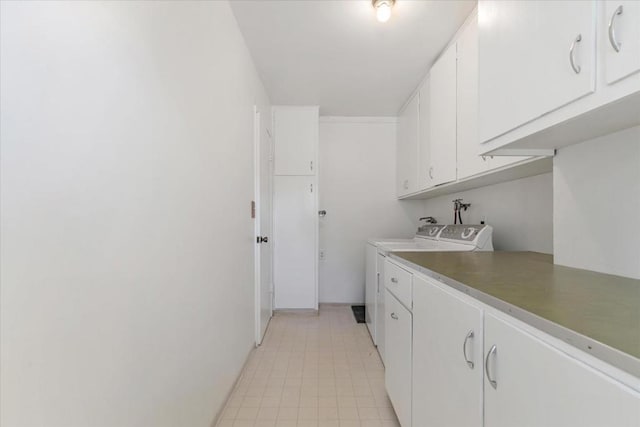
[{"x": 263, "y": 165}]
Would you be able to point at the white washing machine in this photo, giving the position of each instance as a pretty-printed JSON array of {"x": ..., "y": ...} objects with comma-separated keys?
[{"x": 433, "y": 237}]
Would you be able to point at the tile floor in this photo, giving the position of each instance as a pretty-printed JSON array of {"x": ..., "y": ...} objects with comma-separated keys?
[{"x": 320, "y": 371}]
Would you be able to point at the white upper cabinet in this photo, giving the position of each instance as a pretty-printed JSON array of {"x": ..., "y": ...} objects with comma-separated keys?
[
  {"x": 534, "y": 57},
  {"x": 424, "y": 137},
  {"x": 621, "y": 39},
  {"x": 468, "y": 145},
  {"x": 442, "y": 113},
  {"x": 407, "y": 148},
  {"x": 296, "y": 140}
]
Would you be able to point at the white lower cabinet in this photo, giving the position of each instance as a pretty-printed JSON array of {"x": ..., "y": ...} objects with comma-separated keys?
[
  {"x": 398, "y": 357},
  {"x": 447, "y": 358},
  {"x": 452, "y": 361},
  {"x": 538, "y": 385}
]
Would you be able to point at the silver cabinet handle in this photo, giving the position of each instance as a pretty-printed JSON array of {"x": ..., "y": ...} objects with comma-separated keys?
[
  {"x": 431, "y": 172},
  {"x": 394, "y": 280},
  {"x": 464, "y": 349},
  {"x": 378, "y": 282},
  {"x": 406, "y": 184},
  {"x": 612, "y": 30},
  {"x": 572, "y": 61},
  {"x": 493, "y": 382},
  {"x": 394, "y": 316}
]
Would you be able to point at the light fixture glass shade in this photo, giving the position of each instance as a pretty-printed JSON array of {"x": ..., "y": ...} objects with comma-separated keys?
[
  {"x": 383, "y": 12},
  {"x": 383, "y": 9}
]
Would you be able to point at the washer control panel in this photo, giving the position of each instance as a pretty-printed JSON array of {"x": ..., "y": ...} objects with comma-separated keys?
[
  {"x": 431, "y": 231},
  {"x": 462, "y": 232}
]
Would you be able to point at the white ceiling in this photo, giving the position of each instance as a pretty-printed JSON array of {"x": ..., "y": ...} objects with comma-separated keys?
[{"x": 334, "y": 53}]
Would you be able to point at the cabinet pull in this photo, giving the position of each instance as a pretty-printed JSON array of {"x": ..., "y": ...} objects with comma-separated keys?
[
  {"x": 394, "y": 316},
  {"x": 493, "y": 382},
  {"x": 431, "y": 172},
  {"x": 464, "y": 349},
  {"x": 394, "y": 280},
  {"x": 378, "y": 282},
  {"x": 612, "y": 30},
  {"x": 572, "y": 61},
  {"x": 311, "y": 165},
  {"x": 406, "y": 184}
]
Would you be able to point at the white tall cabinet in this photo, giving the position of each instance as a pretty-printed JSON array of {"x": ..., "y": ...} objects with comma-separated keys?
[
  {"x": 295, "y": 207},
  {"x": 296, "y": 146}
]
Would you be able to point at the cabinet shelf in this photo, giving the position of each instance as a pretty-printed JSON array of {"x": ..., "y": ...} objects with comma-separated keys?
[{"x": 529, "y": 167}]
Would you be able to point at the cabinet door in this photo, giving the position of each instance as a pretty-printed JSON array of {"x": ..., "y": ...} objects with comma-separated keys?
[
  {"x": 447, "y": 358},
  {"x": 468, "y": 143},
  {"x": 424, "y": 137},
  {"x": 397, "y": 374},
  {"x": 296, "y": 139},
  {"x": 442, "y": 111},
  {"x": 380, "y": 311},
  {"x": 538, "y": 385},
  {"x": 371, "y": 289},
  {"x": 525, "y": 67},
  {"x": 620, "y": 29},
  {"x": 295, "y": 222},
  {"x": 407, "y": 148}
]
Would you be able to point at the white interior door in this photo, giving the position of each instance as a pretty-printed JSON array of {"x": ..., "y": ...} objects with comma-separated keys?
[
  {"x": 295, "y": 242},
  {"x": 263, "y": 221}
]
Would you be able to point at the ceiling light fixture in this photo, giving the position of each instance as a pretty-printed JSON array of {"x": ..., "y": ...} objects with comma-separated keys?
[{"x": 383, "y": 9}]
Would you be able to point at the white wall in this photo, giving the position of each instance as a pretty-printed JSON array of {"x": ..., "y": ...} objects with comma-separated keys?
[
  {"x": 597, "y": 204},
  {"x": 357, "y": 189},
  {"x": 520, "y": 211},
  {"x": 126, "y": 243}
]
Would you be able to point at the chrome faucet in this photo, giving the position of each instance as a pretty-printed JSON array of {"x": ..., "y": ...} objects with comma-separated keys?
[{"x": 429, "y": 220}]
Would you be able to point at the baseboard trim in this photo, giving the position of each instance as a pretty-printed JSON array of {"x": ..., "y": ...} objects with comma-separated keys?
[
  {"x": 303, "y": 311},
  {"x": 216, "y": 418}
]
